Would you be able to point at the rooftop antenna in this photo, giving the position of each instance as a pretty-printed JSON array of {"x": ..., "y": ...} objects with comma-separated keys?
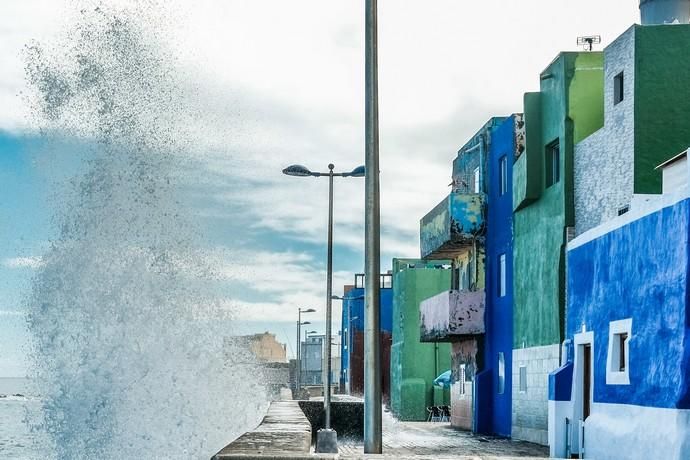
[{"x": 586, "y": 42}]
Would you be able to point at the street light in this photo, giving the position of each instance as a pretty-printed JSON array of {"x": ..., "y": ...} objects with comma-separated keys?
[
  {"x": 327, "y": 438},
  {"x": 300, "y": 323}
]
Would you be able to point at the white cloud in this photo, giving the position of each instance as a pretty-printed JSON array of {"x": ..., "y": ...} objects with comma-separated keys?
[
  {"x": 23, "y": 262},
  {"x": 11, "y": 313}
]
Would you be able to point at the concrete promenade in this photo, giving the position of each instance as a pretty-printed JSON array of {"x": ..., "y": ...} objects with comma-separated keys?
[{"x": 285, "y": 433}]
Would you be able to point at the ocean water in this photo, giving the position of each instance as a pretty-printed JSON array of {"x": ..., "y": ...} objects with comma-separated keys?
[{"x": 17, "y": 441}]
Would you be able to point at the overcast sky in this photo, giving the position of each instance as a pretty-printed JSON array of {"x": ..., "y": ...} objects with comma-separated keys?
[{"x": 282, "y": 82}]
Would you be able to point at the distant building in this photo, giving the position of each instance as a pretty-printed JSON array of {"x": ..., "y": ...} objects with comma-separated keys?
[
  {"x": 311, "y": 358},
  {"x": 352, "y": 335}
]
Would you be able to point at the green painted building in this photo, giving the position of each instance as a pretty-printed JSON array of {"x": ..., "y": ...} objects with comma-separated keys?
[
  {"x": 414, "y": 365},
  {"x": 568, "y": 108}
]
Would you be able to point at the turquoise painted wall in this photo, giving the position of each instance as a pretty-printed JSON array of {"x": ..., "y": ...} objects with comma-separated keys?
[
  {"x": 414, "y": 365},
  {"x": 568, "y": 108}
]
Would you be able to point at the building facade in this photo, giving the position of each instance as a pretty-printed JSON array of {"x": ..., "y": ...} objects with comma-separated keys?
[
  {"x": 414, "y": 365},
  {"x": 494, "y": 381},
  {"x": 646, "y": 74},
  {"x": 352, "y": 332},
  {"x": 568, "y": 108},
  {"x": 624, "y": 390},
  {"x": 472, "y": 228}
]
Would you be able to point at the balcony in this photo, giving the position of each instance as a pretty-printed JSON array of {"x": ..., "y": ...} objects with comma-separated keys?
[
  {"x": 452, "y": 314},
  {"x": 452, "y": 225}
]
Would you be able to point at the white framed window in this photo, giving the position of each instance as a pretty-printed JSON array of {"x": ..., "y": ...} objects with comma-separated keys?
[
  {"x": 476, "y": 179},
  {"x": 618, "y": 356},
  {"x": 523, "y": 379},
  {"x": 501, "y": 373}
]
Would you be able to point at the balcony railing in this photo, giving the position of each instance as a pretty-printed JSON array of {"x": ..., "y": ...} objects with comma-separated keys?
[
  {"x": 454, "y": 223},
  {"x": 451, "y": 315}
]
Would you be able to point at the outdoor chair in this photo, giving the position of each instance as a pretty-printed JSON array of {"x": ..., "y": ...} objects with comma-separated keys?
[{"x": 445, "y": 413}]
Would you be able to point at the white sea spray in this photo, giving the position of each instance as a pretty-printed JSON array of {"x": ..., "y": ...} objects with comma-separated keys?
[{"x": 128, "y": 351}]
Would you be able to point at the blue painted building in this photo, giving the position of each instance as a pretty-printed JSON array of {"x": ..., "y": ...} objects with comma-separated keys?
[
  {"x": 352, "y": 335},
  {"x": 494, "y": 382},
  {"x": 624, "y": 391},
  {"x": 472, "y": 227}
]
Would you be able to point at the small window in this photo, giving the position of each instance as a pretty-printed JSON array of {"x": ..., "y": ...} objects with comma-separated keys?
[
  {"x": 552, "y": 163},
  {"x": 461, "y": 380},
  {"x": 503, "y": 175},
  {"x": 618, "y": 357},
  {"x": 618, "y": 88},
  {"x": 476, "y": 180},
  {"x": 502, "y": 275},
  {"x": 501, "y": 373},
  {"x": 623, "y": 210},
  {"x": 622, "y": 343},
  {"x": 523, "y": 379}
]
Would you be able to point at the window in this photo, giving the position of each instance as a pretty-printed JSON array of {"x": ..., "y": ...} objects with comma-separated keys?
[
  {"x": 622, "y": 343},
  {"x": 502, "y": 275},
  {"x": 618, "y": 88},
  {"x": 523, "y": 379},
  {"x": 618, "y": 357},
  {"x": 501, "y": 373},
  {"x": 461, "y": 379},
  {"x": 552, "y": 163},
  {"x": 503, "y": 175},
  {"x": 476, "y": 180}
]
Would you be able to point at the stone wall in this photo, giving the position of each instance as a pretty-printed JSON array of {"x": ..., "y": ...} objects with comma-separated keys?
[
  {"x": 530, "y": 405},
  {"x": 604, "y": 161}
]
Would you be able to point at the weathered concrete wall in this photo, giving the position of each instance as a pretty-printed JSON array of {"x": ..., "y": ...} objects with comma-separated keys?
[
  {"x": 455, "y": 221},
  {"x": 450, "y": 314},
  {"x": 530, "y": 407},
  {"x": 604, "y": 161},
  {"x": 414, "y": 365},
  {"x": 347, "y": 418}
]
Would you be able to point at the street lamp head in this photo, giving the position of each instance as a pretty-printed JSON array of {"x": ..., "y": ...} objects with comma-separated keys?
[
  {"x": 297, "y": 170},
  {"x": 305, "y": 322},
  {"x": 308, "y": 310},
  {"x": 336, "y": 297},
  {"x": 359, "y": 171},
  {"x": 310, "y": 332}
]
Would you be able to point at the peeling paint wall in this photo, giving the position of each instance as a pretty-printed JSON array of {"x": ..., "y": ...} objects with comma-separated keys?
[
  {"x": 450, "y": 314},
  {"x": 455, "y": 222}
]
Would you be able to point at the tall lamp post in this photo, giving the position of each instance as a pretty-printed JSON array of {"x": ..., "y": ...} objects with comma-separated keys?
[
  {"x": 372, "y": 238},
  {"x": 326, "y": 438},
  {"x": 300, "y": 323},
  {"x": 349, "y": 339}
]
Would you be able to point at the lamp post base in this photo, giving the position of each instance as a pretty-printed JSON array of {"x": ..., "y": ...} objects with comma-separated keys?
[{"x": 326, "y": 441}]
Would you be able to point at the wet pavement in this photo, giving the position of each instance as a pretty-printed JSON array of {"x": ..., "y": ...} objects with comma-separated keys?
[{"x": 438, "y": 440}]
